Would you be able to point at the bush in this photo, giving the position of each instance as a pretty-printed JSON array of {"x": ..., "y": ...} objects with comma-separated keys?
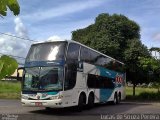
[{"x": 149, "y": 96}]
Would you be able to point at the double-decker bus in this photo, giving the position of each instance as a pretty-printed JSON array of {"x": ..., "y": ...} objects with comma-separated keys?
[{"x": 66, "y": 73}]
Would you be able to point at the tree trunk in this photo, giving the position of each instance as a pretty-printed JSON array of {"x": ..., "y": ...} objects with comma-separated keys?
[{"x": 134, "y": 87}]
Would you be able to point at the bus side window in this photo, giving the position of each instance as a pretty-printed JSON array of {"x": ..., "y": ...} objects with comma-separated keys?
[
  {"x": 72, "y": 63},
  {"x": 70, "y": 80},
  {"x": 94, "y": 57},
  {"x": 100, "y": 82},
  {"x": 85, "y": 55},
  {"x": 73, "y": 51}
]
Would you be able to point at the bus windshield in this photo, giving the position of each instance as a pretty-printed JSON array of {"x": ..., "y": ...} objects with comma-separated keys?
[
  {"x": 46, "y": 52},
  {"x": 43, "y": 79}
]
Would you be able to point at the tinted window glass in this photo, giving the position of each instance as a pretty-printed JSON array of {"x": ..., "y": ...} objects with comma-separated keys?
[
  {"x": 103, "y": 61},
  {"x": 118, "y": 67},
  {"x": 46, "y": 51},
  {"x": 71, "y": 75},
  {"x": 70, "y": 80},
  {"x": 73, "y": 51},
  {"x": 94, "y": 57},
  {"x": 100, "y": 60},
  {"x": 95, "y": 81},
  {"x": 71, "y": 68},
  {"x": 85, "y": 54},
  {"x": 43, "y": 78}
]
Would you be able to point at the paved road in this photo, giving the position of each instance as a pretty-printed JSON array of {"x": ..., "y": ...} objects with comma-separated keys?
[{"x": 11, "y": 108}]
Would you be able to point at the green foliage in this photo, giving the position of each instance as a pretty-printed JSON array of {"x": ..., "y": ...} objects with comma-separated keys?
[
  {"x": 155, "y": 49},
  {"x": 7, "y": 66},
  {"x": 135, "y": 73},
  {"x": 152, "y": 67},
  {"x": 156, "y": 85},
  {"x": 150, "y": 64},
  {"x": 145, "y": 96},
  {"x": 150, "y": 96},
  {"x": 134, "y": 50},
  {"x": 1, "y": 65},
  {"x": 11, "y": 4}
]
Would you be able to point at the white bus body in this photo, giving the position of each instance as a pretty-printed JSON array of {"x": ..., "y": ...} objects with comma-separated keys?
[{"x": 91, "y": 81}]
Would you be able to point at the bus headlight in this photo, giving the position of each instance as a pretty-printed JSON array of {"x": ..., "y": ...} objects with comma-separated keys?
[
  {"x": 53, "y": 97},
  {"x": 25, "y": 97},
  {"x": 60, "y": 96},
  {"x": 56, "y": 97}
]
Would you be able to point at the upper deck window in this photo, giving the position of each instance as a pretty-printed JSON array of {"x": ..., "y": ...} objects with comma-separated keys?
[
  {"x": 73, "y": 51},
  {"x": 47, "y": 51}
]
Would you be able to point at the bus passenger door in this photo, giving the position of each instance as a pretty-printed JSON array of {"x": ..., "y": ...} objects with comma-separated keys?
[
  {"x": 69, "y": 84},
  {"x": 71, "y": 72}
]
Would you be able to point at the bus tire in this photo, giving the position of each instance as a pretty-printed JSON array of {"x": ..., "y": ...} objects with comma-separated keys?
[
  {"x": 115, "y": 101},
  {"x": 81, "y": 103},
  {"x": 90, "y": 101}
]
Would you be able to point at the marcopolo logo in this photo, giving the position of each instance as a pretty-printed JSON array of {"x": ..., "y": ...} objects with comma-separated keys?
[
  {"x": 41, "y": 95},
  {"x": 38, "y": 97}
]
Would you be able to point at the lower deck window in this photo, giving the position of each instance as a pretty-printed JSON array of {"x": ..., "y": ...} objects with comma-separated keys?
[{"x": 96, "y": 81}]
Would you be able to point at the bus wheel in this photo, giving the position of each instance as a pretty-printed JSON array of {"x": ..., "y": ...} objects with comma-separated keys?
[
  {"x": 115, "y": 101},
  {"x": 80, "y": 103},
  {"x": 90, "y": 101}
]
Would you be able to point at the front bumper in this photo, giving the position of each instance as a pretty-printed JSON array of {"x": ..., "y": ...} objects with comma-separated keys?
[{"x": 43, "y": 103}]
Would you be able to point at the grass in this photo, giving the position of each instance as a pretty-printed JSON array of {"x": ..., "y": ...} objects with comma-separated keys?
[
  {"x": 139, "y": 90},
  {"x": 10, "y": 90},
  {"x": 143, "y": 94}
]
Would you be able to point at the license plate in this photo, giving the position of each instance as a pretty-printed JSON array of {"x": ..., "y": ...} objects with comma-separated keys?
[{"x": 38, "y": 104}]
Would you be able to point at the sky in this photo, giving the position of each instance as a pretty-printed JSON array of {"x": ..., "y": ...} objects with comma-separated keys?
[{"x": 41, "y": 20}]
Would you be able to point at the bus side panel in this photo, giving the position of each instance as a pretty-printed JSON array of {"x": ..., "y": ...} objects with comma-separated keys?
[
  {"x": 97, "y": 95},
  {"x": 79, "y": 87},
  {"x": 105, "y": 94},
  {"x": 91, "y": 69}
]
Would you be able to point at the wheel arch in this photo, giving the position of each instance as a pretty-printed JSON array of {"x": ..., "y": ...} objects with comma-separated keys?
[
  {"x": 120, "y": 94},
  {"x": 84, "y": 94}
]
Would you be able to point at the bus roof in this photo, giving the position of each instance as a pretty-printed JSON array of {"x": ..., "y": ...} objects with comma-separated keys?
[{"x": 72, "y": 41}]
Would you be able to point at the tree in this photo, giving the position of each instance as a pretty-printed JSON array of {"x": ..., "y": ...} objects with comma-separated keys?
[
  {"x": 109, "y": 34},
  {"x": 8, "y": 66},
  {"x": 135, "y": 73},
  {"x": 152, "y": 66},
  {"x": 11, "y": 4},
  {"x": 119, "y": 37},
  {"x": 155, "y": 49}
]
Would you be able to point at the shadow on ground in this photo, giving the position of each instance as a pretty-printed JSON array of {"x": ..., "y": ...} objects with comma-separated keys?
[{"x": 99, "y": 109}]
